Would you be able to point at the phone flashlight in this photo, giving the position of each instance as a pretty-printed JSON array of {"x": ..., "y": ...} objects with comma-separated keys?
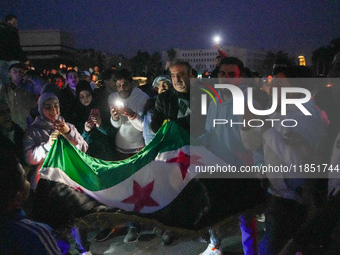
[{"x": 119, "y": 103}]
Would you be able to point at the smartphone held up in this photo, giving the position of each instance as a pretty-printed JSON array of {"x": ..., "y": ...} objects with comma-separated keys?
[{"x": 94, "y": 112}]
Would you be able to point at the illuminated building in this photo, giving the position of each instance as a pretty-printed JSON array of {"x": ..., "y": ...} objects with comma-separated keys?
[
  {"x": 302, "y": 61},
  {"x": 204, "y": 59}
]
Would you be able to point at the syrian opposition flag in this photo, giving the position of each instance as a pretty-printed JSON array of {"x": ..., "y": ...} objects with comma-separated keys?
[{"x": 145, "y": 183}]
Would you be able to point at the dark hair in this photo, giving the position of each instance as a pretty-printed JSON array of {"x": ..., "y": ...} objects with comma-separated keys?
[
  {"x": 245, "y": 72},
  {"x": 295, "y": 71},
  {"x": 62, "y": 72},
  {"x": 107, "y": 74},
  {"x": 83, "y": 85},
  {"x": 94, "y": 74},
  {"x": 150, "y": 77},
  {"x": 122, "y": 74},
  {"x": 10, "y": 179},
  {"x": 232, "y": 61},
  {"x": 9, "y": 17},
  {"x": 16, "y": 65},
  {"x": 280, "y": 64},
  {"x": 183, "y": 63},
  {"x": 52, "y": 88},
  {"x": 33, "y": 73},
  {"x": 255, "y": 74},
  {"x": 194, "y": 72},
  {"x": 71, "y": 71},
  {"x": 56, "y": 76}
]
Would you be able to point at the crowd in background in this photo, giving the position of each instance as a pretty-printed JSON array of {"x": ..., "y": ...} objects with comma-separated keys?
[{"x": 109, "y": 115}]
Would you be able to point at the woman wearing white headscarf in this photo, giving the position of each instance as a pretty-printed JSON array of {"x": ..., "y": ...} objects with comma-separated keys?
[{"x": 39, "y": 136}]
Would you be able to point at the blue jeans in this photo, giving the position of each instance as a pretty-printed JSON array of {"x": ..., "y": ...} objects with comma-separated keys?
[
  {"x": 249, "y": 234},
  {"x": 248, "y": 231}
]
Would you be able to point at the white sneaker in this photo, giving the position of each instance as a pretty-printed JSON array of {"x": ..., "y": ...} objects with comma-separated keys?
[{"x": 212, "y": 250}]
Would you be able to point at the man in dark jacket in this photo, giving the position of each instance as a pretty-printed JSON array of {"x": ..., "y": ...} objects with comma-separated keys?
[
  {"x": 67, "y": 99},
  {"x": 18, "y": 97},
  {"x": 11, "y": 134},
  {"x": 174, "y": 104},
  {"x": 10, "y": 49}
]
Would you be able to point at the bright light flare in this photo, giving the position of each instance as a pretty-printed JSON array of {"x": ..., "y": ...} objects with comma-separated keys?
[
  {"x": 119, "y": 103},
  {"x": 217, "y": 39}
]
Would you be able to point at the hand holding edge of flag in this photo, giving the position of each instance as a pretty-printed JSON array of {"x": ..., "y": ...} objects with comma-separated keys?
[{"x": 53, "y": 137}]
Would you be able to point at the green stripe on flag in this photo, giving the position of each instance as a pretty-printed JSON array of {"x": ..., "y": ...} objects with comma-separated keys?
[{"x": 95, "y": 174}]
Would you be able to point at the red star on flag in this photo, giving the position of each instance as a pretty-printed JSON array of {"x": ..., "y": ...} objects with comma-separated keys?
[
  {"x": 141, "y": 196},
  {"x": 183, "y": 160}
]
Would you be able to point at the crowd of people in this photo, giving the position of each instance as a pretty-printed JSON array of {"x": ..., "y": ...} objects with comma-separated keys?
[{"x": 110, "y": 117}]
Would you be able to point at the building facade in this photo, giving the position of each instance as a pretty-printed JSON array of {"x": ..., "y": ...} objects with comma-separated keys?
[
  {"x": 204, "y": 59},
  {"x": 48, "y": 48}
]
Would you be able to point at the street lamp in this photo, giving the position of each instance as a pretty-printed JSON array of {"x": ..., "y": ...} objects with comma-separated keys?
[{"x": 217, "y": 39}]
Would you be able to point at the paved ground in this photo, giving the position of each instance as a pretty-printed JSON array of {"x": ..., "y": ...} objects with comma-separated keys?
[{"x": 149, "y": 244}]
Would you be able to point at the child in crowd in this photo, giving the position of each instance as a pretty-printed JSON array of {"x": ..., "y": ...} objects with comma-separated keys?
[
  {"x": 98, "y": 135},
  {"x": 19, "y": 235}
]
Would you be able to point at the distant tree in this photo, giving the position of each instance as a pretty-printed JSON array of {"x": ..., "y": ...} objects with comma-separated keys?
[
  {"x": 139, "y": 64},
  {"x": 119, "y": 60},
  {"x": 172, "y": 54},
  {"x": 322, "y": 57},
  {"x": 335, "y": 45},
  {"x": 270, "y": 59},
  {"x": 156, "y": 63},
  {"x": 268, "y": 62},
  {"x": 89, "y": 58},
  {"x": 143, "y": 63}
]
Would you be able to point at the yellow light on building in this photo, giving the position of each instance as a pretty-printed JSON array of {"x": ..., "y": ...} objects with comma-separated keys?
[{"x": 302, "y": 61}]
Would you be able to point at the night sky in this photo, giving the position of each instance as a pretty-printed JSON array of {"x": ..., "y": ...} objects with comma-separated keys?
[{"x": 296, "y": 27}]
